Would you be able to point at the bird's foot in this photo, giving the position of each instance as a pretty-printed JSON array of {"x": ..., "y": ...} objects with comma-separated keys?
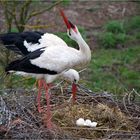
[
  {"x": 49, "y": 125},
  {"x": 47, "y": 121},
  {"x": 40, "y": 85}
]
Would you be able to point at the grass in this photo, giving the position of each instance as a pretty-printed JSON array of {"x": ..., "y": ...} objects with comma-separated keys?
[
  {"x": 120, "y": 32},
  {"x": 132, "y": 24},
  {"x": 115, "y": 70}
]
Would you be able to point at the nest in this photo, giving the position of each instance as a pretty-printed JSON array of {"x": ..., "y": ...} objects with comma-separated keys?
[{"x": 20, "y": 119}]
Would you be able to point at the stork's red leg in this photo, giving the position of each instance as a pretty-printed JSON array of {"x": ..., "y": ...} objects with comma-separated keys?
[
  {"x": 40, "y": 84},
  {"x": 49, "y": 116}
]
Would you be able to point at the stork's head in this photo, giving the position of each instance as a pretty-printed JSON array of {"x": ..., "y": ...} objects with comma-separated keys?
[
  {"x": 72, "y": 29},
  {"x": 73, "y": 76}
]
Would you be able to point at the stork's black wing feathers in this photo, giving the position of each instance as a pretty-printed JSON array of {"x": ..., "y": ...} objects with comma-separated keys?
[
  {"x": 16, "y": 40},
  {"x": 31, "y": 37},
  {"x": 24, "y": 64}
]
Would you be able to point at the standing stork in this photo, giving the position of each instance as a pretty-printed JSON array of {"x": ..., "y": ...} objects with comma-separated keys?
[
  {"x": 26, "y": 42},
  {"x": 52, "y": 61}
]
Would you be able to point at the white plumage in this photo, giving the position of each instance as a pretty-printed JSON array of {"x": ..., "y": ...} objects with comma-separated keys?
[
  {"x": 58, "y": 58},
  {"x": 70, "y": 75},
  {"x": 46, "y": 40}
]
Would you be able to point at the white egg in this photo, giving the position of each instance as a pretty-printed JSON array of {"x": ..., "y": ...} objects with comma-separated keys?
[
  {"x": 80, "y": 122},
  {"x": 87, "y": 122},
  {"x": 93, "y": 124}
]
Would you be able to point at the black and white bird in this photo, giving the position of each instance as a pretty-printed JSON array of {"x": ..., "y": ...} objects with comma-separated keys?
[
  {"x": 52, "y": 61},
  {"x": 26, "y": 42}
]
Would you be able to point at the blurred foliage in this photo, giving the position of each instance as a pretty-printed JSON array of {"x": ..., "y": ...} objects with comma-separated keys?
[
  {"x": 132, "y": 24},
  {"x": 138, "y": 35},
  {"x": 114, "y": 27},
  {"x": 14, "y": 30},
  {"x": 24, "y": 82},
  {"x": 20, "y": 12},
  {"x": 120, "y": 32},
  {"x": 121, "y": 38},
  {"x": 113, "y": 35},
  {"x": 108, "y": 40},
  {"x": 114, "y": 71},
  {"x": 5, "y": 57},
  {"x": 66, "y": 2}
]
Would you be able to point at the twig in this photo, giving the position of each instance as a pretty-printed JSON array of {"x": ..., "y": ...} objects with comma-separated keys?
[
  {"x": 57, "y": 85},
  {"x": 122, "y": 135},
  {"x": 82, "y": 70},
  {"x": 99, "y": 129},
  {"x": 124, "y": 103},
  {"x": 36, "y": 26},
  {"x": 44, "y": 10}
]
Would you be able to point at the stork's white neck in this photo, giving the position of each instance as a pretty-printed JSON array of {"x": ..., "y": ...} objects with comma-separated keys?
[{"x": 84, "y": 48}]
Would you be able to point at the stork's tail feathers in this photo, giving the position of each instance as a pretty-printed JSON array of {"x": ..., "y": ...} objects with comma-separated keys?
[
  {"x": 12, "y": 66},
  {"x": 9, "y": 40},
  {"x": 15, "y": 41}
]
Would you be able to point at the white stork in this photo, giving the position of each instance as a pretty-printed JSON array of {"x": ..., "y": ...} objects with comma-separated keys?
[
  {"x": 27, "y": 42},
  {"x": 51, "y": 61}
]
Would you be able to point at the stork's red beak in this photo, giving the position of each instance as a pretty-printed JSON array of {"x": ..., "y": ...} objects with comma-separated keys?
[
  {"x": 67, "y": 22},
  {"x": 74, "y": 91}
]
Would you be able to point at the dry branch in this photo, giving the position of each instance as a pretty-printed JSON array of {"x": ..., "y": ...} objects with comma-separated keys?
[{"x": 35, "y": 13}]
